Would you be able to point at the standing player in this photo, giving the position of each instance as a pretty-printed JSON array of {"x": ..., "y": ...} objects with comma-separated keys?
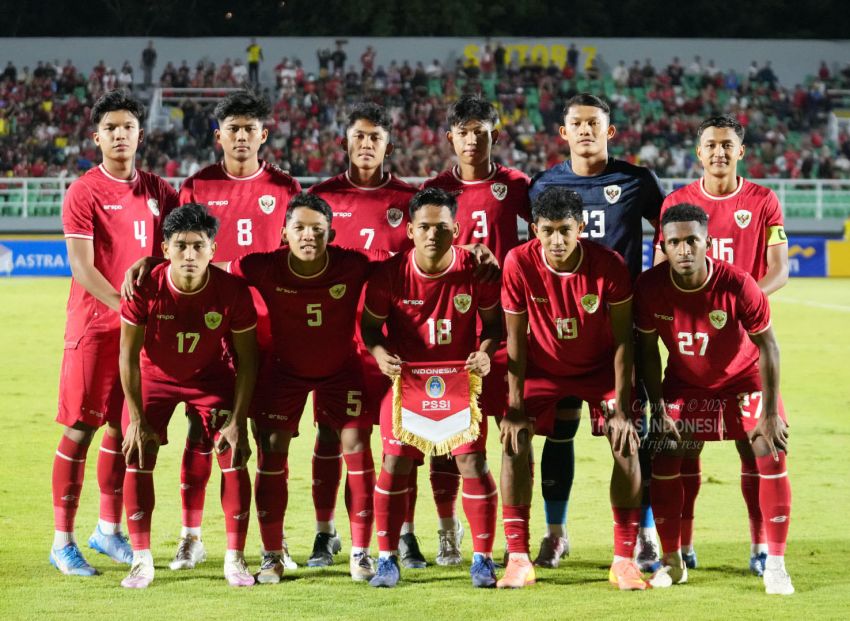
[
  {"x": 423, "y": 296},
  {"x": 175, "y": 335},
  {"x": 370, "y": 212},
  {"x": 568, "y": 310},
  {"x": 616, "y": 196},
  {"x": 745, "y": 221},
  {"x": 490, "y": 199},
  {"x": 249, "y": 198},
  {"x": 111, "y": 216},
  {"x": 312, "y": 292},
  {"x": 721, "y": 381}
]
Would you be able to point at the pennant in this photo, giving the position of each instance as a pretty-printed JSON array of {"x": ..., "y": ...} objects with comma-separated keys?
[{"x": 435, "y": 406}]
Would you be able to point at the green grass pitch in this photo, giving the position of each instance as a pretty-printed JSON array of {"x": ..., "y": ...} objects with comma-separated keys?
[{"x": 811, "y": 319}]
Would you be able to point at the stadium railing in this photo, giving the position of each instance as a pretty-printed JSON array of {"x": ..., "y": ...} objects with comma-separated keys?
[{"x": 34, "y": 204}]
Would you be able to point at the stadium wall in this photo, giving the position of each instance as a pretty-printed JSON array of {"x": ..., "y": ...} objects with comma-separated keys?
[
  {"x": 807, "y": 257},
  {"x": 792, "y": 60}
]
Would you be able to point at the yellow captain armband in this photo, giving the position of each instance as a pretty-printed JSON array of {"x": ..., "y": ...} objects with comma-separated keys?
[{"x": 776, "y": 235}]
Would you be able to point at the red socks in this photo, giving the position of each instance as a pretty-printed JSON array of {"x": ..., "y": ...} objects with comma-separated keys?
[
  {"x": 69, "y": 467},
  {"x": 391, "y": 496},
  {"x": 327, "y": 472},
  {"x": 626, "y": 523},
  {"x": 445, "y": 483},
  {"x": 271, "y": 495},
  {"x": 750, "y": 491},
  {"x": 412, "y": 491},
  {"x": 515, "y": 519},
  {"x": 360, "y": 487},
  {"x": 775, "y": 501},
  {"x": 235, "y": 501},
  {"x": 110, "y": 478},
  {"x": 480, "y": 504},
  {"x": 666, "y": 493},
  {"x": 139, "y": 501},
  {"x": 691, "y": 483},
  {"x": 195, "y": 472}
]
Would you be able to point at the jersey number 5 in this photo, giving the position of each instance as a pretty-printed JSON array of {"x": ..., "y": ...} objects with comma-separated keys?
[{"x": 314, "y": 315}]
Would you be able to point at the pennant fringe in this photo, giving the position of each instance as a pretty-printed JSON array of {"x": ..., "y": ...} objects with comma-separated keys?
[{"x": 449, "y": 444}]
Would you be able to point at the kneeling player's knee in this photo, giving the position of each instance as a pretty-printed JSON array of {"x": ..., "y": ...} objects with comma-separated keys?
[
  {"x": 472, "y": 465},
  {"x": 397, "y": 464}
]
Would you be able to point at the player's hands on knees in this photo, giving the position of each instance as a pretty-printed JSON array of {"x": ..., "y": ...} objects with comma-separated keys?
[
  {"x": 234, "y": 436},
  {"x": 774, "y": 431},
  {"x": 622, "y": 435},
  {"x": 389, "y": 364},
  {"x": 136, "y": 438},
  {"x": 515, "y": 430},
  {"x": 662, "y": 429},
  {"x": 487, "y": 266},
  {"x": 478, "y": 363},
  {"x": 135, "y": 275}
]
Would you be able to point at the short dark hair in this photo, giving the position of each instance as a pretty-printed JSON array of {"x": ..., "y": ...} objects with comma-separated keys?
[
  {"x": 190, "y": 217},
  {"x": 372, "y": 112},
  {"x": 310, "y": 201},
  {"x": 471, "y": 108},
  {"x": 685, "y": 212},
  {"x": 721, "y": 121},
  {"x": 243, "y": 103},
  {"x": 587, "y": 99},
  {"x": 558, "y": 203},
  {"x": 432, "y": 196},
  {"x": 118, "y": 99}
]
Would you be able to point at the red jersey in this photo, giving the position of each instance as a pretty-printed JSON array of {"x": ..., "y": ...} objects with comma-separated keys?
[
  {"x": 186, "y": 334},
  {"x": 251, "y": 210},
  {"x": 569, "y": 321},
  {"x": 123, "y": 218},
  {"x": 705, "y": 330},
  {"x": 487, "y": 210},
  {"x": 739, "y": 223},
  {"x": 368, "y": 218},
  {"x": 430, "y": 317},
  {"x": 312, "y": 318}
]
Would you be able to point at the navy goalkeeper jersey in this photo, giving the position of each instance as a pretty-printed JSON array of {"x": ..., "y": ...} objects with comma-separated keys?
[{"x": 614, "y": 203}]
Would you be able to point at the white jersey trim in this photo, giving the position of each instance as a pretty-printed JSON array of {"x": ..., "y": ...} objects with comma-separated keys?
[
  {"x": 433, "y": 276},
  {"x": 316, "y": 275},
  {"x": 78, "y": 236},
  {"x": 369, "y": 189},
  {"x": 489, "y": 177},
  {"x": 250, "y": 177},
  {"x": 702, "y": 286},
  {"x": 114, "y": 178},
  {"x": 723, "y": 197},
  {"x": 244, "y": 329},
  {"x": 176, "y": 289},
  {"x": 562, "y": 274}
]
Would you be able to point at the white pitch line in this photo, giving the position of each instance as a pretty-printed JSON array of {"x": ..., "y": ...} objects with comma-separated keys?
[{"x": 838, "y": 307}]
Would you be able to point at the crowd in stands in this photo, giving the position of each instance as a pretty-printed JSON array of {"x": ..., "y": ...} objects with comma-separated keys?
[{"x": 45, "y": 131}]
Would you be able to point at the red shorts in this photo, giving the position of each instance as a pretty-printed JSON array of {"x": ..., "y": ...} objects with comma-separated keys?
[
  {"x": 543, "y": 391},
  {"x": 211, "y": 399},
  {"x": 727, "y": 413},
  {"x": 89, "y": 384},
  {"x": 392, "y": 446},
  {"x": 375, "y": 385},
  {"x": 338, "y": 400},
  {"x": 494, "y": 389}
]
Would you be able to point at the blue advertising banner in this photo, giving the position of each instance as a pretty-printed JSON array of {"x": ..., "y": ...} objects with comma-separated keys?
[
  {"x": 31, "y": 257},
  {"x": 807, "y": 256}
]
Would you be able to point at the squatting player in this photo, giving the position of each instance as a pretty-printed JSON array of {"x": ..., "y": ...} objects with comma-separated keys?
[
  {"x": 616, "y": 196},
  {"x": 424, "y": 297},
  {"x": 249, "y": 197},
  {"x": 721, "y": 381},
  {"x": 111, "y": 216},
  {"x": 312, "y": 291},
  {"x": 568, "y": 309},
  {"x": 745, "y": 222},
  {"x": 490, "y": 198},
  {"x": 370, "y": 212},
  {"x": 176, "y": 333}
]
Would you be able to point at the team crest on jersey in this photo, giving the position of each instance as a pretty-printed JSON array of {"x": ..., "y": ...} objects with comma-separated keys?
[
  {"x": 337, "y": 291},
  {"x": 612, "y": 193},
  {"x": 590, "y": 302},
  {"x": 394, "y": 216},
  {"x": 743, "y": 218},
  {"x": 462, "y": 302},
  {"x": 212, "y": 319},
  {"x": 267, "y": 203},
  {"x": 717, "y": 318},
  {"x": 499, "y": 190},
  {"x": 153, "y": 205},
  {"x": 435, "y": 387}
]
